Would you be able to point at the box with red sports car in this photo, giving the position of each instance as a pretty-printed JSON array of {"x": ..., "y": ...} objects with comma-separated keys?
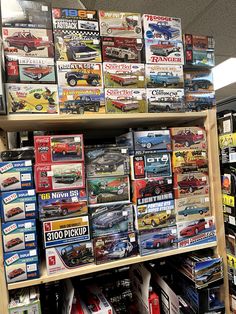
[
  {"x": 185, "y": 138},
  {"x": 185, "y": 161}
]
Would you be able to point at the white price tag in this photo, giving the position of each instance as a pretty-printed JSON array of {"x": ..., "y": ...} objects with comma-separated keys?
[
  {"x": 28, "y": 225},
  {"x": 45, "y": 38},
  {"x": 29, "y": 207},
  {"x": 132, "y": 239},
  {"x": 139, "y": 97},
  {"x": 168, "y": 211},
  {"x": 49, "y": 173},
  {"x": 26, "y": 177},
  {"x": 31, "y": 267},
  {"x": 169, "y": 181},
  {"x": 70, "y": 97},
  {"x": 28, "y": 163},
  {"x": 232, "y": 220},
  {"x": 44, "y": 8},
  {"x": 226, "y": 126},
  {"x": 29, "y": 237},
  {"x": 77, "y": 139},
  {"x": 89, "y": 15},
  {"x": 204, "y": 178},
  {"x": 33, "y": 252},
  {"x": 123, "y": 151},
  {"x": 141, "y": 78},
  {"x": 96, "y": 67},
  {"x": 74, "y": 199},
  {"x": 31, "y": 192},
  {"x": 96, "y": 41},
  {"x": 199, "y": 132},
  {"x": 125, "y": 213},
  {"x": 206, "y": 199},
  {"x": 139, "y": 40}
]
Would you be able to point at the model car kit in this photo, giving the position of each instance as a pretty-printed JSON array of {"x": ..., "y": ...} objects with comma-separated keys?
[
  {"x": 19, "y": 235},
  {"x": 14, "y": 154},
  {"x": 62, "y": 204},
  {"x": 108, "y": 189},
  {"x": 148, "y": 142},
  {"x": 115, "y": 247},
  {"x": 59, "y": 148},
  {"x": 127, "y": 141},
  {"x": 31, "y": 98},
  {"x": 199, "y": 101},
  {"x": 185, "y": 138},
  {"x": 125, "y": 100},
  {"x": 185, "y": 161},
  {"x": 66, "y": 257},
  {"x": 16, "y": 175},
  {"x": 65, "y": 231},
  {"x": 111, "y": 219},
  {"x": 198, "y": 80},
  {"x": 53, "y": 177},
  {"x": 17, "y": 205},
  {"x": 26, "y": 299}
]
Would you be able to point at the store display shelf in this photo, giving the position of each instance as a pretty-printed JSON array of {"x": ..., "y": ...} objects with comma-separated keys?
[{"x": 96, "y": 268}]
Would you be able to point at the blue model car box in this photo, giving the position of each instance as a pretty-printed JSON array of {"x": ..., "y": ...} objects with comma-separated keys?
[
  {"x": 19, "y": 235},
  {"x": 21, "y": 265},
  {"x": 17, "y": 205},
  {"x": 16, "y": 175}
]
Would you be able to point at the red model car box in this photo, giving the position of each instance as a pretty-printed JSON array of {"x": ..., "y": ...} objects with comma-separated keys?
[{"x": 185, "y": 138}]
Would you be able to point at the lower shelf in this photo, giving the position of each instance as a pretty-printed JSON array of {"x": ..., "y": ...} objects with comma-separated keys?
[{"x": 96, "y": 268}]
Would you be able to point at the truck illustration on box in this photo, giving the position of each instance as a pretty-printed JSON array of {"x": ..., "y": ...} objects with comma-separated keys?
[
  {"x": 164, "y": 75},
  {"x": 122, "y": 53},
  {"x": 122, "y": 79},
  {"x": 81, "y": 104},
  {"x": 164, "y": 49},
  {"x": 164, "y": 79},
  {"x": 163, "y": 29},
  {"x": 72, "y": 255},
  {"x": 73, "y": 78}
]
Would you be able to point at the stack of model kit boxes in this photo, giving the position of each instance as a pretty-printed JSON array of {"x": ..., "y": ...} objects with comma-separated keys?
[
  {"x": 62, "y": 199},
  {"x": 78, "y": 57},
  {"x": 164, "y": 68},
  {"x": 122, "y": 52},
  {"x": 18, "y": 212},
  {"x": 111, "y": 214},
  {"x": 29, "y": 63},
  {"x": 191, "y": 186}
]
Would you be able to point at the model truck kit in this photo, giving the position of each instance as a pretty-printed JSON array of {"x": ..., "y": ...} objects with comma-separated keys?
[
  {"x": 185, "y": 161},
  {"x": 149, "y": 142},
  {"x": 125, "y": 100},
  {"x": 31, "y": 98},
  {"x": 199, "y": 101},
  {"x": 198, "y": 80},
  {"x": 185, "y": 138}
]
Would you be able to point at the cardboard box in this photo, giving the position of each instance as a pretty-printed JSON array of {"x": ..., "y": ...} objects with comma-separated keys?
[
  {"x": 53, "y": 177},
  {"x": 67, "y": 257},
  {"x": 29, "y": 300},
  {"x": 196, "y": 101},
  {"x": 65, "y": 231},
  {"x": 228, "y": 155},
  {"x": 200, "y": 80},
  {"x": 226, "y": 123},
  {"x": 126, "y": 140},
  {"x": 185, "y": 138},
  {"x": 16, "y": 175},
  {"x": 59, "y": 148},
  {"x": 185, "y": 161},
  {"x": 21, "y": 265},
  {"x": 19, "y": 235},
  {"x": 17, "y": 205},
  {"x": 227, "y": 140}
]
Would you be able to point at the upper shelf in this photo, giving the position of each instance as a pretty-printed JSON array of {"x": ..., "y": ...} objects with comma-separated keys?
[{"x": 29, "y": 122}]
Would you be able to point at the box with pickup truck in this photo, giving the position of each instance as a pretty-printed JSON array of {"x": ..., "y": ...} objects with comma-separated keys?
[
  {"x": 164, "y": 76},
  {"x": 197, "y": 101},
  {"x": 200, "y": 80}
]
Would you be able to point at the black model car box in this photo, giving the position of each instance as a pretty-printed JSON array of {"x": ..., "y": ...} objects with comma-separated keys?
[
  {"x": 126, "y": 140},
  {"x": 227, "y": 123},
  {"x": 200, "y": 80},
  {"x": 197, "y": 101},
  {"x": 185, "y": 138}
]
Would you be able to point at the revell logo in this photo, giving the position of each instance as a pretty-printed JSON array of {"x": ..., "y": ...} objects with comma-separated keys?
[
  {"x": 6, "y": 168},
  {"x": 10, "y": 198},
  {"x": 10, "y": 228},
  {"x": 12, "y": 259}
]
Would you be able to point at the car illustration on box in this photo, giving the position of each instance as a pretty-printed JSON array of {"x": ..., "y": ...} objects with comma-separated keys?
[
  {"x": 88, "y": 25},
  {"x": 191, "y": 183},
  {"x": 122, "y": 53},
  {"x": 113, "y": 187},
  {"x": 193, "y": 210},
  {"x": 9, "y": 181},
  {"x": 199, "y": 82},
  {"x": 164, "y": 48},
  {"x": 200, "y": 103},
  {"x": 108, "y": 220},
  {"x": 120, "y": 250},
  {"x": 13, "y": 212},
  {"x": 73, "y": 77},
  {"x": 154, "y": 219},
  {"x": 110, "y": 162},
  {"x": 164, "y": 79},
  {"x": 129, "y": 23},
  {"x": 161, "y": 169},
  {"x": 153, "y": 188},
  {"x": 187, "y": 137},
  {"x": 159, "y": 240},
  {"x": 73, "y": 255},
  {"x": 152, "y": 139},
  {"x": 13, "y": 242},
  {"x": 37, "y": 73},
  {"x": 68, "y": 177},
  {"x": 66, "y": 148},
  {"x": 93, "y": 154},
  {"x": 79, "y": 51},
  {"x": 81, "y": 104},
  {"x": 15, "y": 273},
  {"x": 165, "y": 104},
  {"x": 124, "y": 79},
  {"x": 163, "y": 29},
  {"x": 62, "y": 208},
  {"x": 193, "y": 228},
  {"x": 125, "y": 104}
]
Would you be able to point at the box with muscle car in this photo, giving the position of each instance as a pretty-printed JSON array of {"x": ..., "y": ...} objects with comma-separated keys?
[
  {"x": 185, "y": 161},
  {"x": 196, "y": 232},
  {"x": 115, "y": 247},
  {"x": 152, "y": 190},
  {"x": 125, "y": 100},
  {"x": 53, "y": 177},
  {"x": 21, "y": 265},
  {"x": 62, "y": 204},
  {"x": 16, "y": 175},
  {"x": 76, "y": 35},
  {"x": 72, "y": 74},
  {"x": 65, "y": 231},
  {"x": 122, "y": 49},
  {"x": 59, "y": 148},
  {"x": 31, "y": 98},
  {"x": 67, "y": 257},
  {"x": 19, "y": 235},
  {"x": 29, "y": 70},
  {"x": 124, "y": 74},
  {"x": 110, "y": 219},
  {"x": 126, "y": 140},
  {"x": 149, "y": 142},
  {"x": 151, "y": 165},
  {"x": 197, "y": 101},
  {"x": 17, "y": 205},
  {"x": 200, "y": 80},
  {"x": 186, "y": 138},
  {"x": 157, "y": 240},
  {"x": 105, "y": 161}
]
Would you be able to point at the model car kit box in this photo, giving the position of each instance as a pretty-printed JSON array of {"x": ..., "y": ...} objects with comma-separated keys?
[
  {"x": 16, "y": 175},
  {"x": 65, "y": 231},
  {"x": 196, "y": 101},
  {"x": 122, "y": 49},
  {"x": 67, "y": 257},
  {"x": 157, "y": 240},
  {"x": 227, "y": 140},
  {"x": 17, "y": 205},
  {"x": 149, "y": 142},
  {"x": 184, "y": 161},
  {"x": 198, "y": 80},
  {"x": 62, "y": 204},
  {"x": 105, "y": 161},
  {"x": 31, "y": 98},
  {"x": 53, "y": 177},
  {"x": 108, "y": 189},
  {"x": 110, "y": 219},
  {"x": 19, "y": 235},
  {"x": 127, "y": 141},
  {"x": 185, "y": 138},
  {"x": 25, "y": 299},
  {"x": 115, "y": 247},
  {"x": 125, "y": 100},
  {"x": 59, "y": 148}
]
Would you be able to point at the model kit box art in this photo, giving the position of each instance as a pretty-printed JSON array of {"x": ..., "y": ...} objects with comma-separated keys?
[
  {"x": 64, "y": 231},
  {"x": 122, "y": 49},
  {"x": 152, "y": 190},
  {"x": 17, "y": 205},
  {"x": 59, "y": 148},
  {"x": 125, "y": 100},
  {"x": 124, "y": 74},
  {"x": 196, "y": 101},
  {"x": 19, "y": 235},
  {"x": 25, "y": 299},
  {"x": 198, "y": 80},
  {"x": 185, "y": 138},
  {"x": 53, "y": 177},
  {"x": 108, "y": 189},
  {"x": 157, "y": 240},
  {"x": 105, "y": 161},
  {"x": 227, "y": 140},
  {"x": 31, "y": 70},
  {"x": 115, "y": 247},
  {"x": 185, "y": 161},
  {"x": 62, "y": 204},
  {"x": 127, "y": 141},
  {"x": 21, "y": 265},
  {"x": 16, "y": 175},
  {"x": 31, "y": 98},
  {"x": 110, "y": 219},
  {"x": 67, "y": 257},
  {"x": 196, "y": 232},
  {"x": 165, "y": 100}
]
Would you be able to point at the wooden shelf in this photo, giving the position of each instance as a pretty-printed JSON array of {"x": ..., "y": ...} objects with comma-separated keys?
[{"x": 96, "y": 268}]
